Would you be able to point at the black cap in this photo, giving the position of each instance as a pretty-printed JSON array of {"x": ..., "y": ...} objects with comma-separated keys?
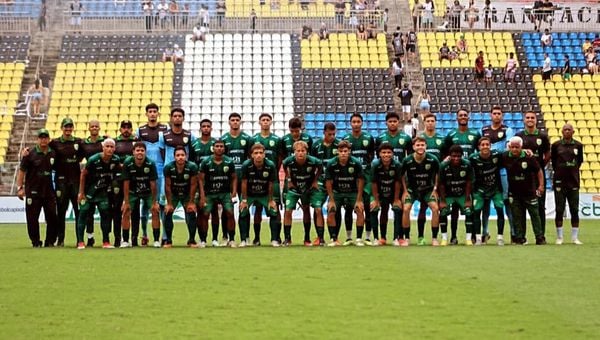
[{"x": 126, "y": 123}]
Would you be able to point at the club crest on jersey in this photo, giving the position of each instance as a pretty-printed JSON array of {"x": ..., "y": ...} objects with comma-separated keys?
[
  {"x": 575, "y": 151},
  {"x": 427, "y": 166},
  {"x": 243, "y": 142},
  {"x": 392, "y": 172},
  {"x": 334, "y": 151},
  {"x": 271, "y": 143},
  {"x": 116, "y": 190},
  {"x": 211, "y": 149},
  {"x": 265, "y": 174},
  {"x": 438, "y": 142},
  {"x": 225, "y": 168},
  {"x": 351, "y": 170},
  {"x": 538, "y": 141},
  {"x": 112, "y": 166},
  {"x": 185, "y": 140},
  {"x": 146, "y": 170},
  {"x": 500, "y": 134},
  {"x": 186, "y": 177},
  {"x": 557, "y": 189},
  {"x": 76, "y": 147},
  {"x": 29, "y": 201},
  {"x": 52, "y": 161},
  {"x": 309, "y": 168},
  {"x": 463, "y": 173},
  {"x": 401, "y": 142},
  {"x": 495, "y": 160},
  {"x": 58, "y": 193},
  {"x": 524, "y": 165},
  {"x": 470, "y": 138},
  {"x": 365, "y": 143}
]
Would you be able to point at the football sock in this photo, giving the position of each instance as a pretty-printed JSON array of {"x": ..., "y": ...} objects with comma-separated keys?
[
  {"x": 126, "y": 235},
  {"x": 320, "y": 232},
  {"x": 478, "y": 237},
  {"x": 574, "y": 233},
  {"x": 469, "y": 236},
  {"x": 500, "y": 220},
  {"x": 231, "y": 235},
  {"x": 383, "y": 231},
  {"x": 444, "y": 236},
  {"x": 369, "y": 234},
  {"x": 215, "y": 230},
  {"x": 90, "y": 235},
  {"x": 307, "y": 231},
  {"x": 406, "y": 233},
  {"x": 156, "y": 234},
  {"x": 421, "y": 226},
  {"x": 348, "y": 233},
  {"x": 359, "y": 231},
  {"x": 434, "y": 231},
  {"x": 287, "y": 232},
  {"x": 256, "y": 230},
  {"x": 559, "y": 232}
]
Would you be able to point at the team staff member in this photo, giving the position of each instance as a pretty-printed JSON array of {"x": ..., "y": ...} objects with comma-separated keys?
[
  {"x": 203, "y": 147},
  {"x": 567, "y": 156},
  {"x": 217, "y": 185},
  {"x": 386, "y": 189},
  {"x": 525, "y": 187},
  {"x": 123, "y": 149},
  {"x": 91, "y": 146},
  {"x": 487, "y": 186},
  {"x": 66, "y": 178},
  {"x": 274, "y": 150},
  {"x": 539, "y": 144},
  {"x": 362, "y": 148},
  {"x": 237, "y": 147},
  {"x": 181, "y": 183},
  {"x": 456, "y": 178},
  {"x": 258, "y": 177},
  {"x": 34, "y": 182},
  {"x": 345, "y": 183},
  {"x": 139, "y": 186},
  {"x": 94, "y": 186},
  {"x": 420, "y": 177},
  {"x": 302, "y": 172},
  {"x": 149, "y": 133}
]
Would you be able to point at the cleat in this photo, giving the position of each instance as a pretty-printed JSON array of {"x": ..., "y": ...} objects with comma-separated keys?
[
  {"x": 454, "y": 241},
  {"x": 134, "y": 242},
  {"x": 486, "y": 238},
  {"x": 215, "y": 243},
  {"x": 91, "y": 241},
  {"x": 500, "y": 242},
  {"x": 444, "y": 243},
  {"x": 125, "y": 245},
  {"x": 192, "y": 244},
  {"x": 256, "y": 242},
  {"x": 156, "y": 244},
  {"x": 404, "y": 242},
  {"x": 224, "y": 242},
  {"x": 479, "y": 242},
  {"x": 202, "y": 245},
  {"x": 145, "y": 241},
  {"x": 421, "y": 241},
  {"x": 275, "y": 244},
  {"x": 287, "y": 243},
  {"x": 107, "y": 245},
  {"x": 317, "y": 242},
  {"x": 382, "y": 242},
  {"x": 308, "y": 243},
  {"x": 166, "y": 245},
  {"x": 231, "y": 244},
  {"x": 80, "y": 245},
  {"x": 117, "y": 244},
  {"x": 396, "y": 243},
  {"x": 348, "y": 242},
  {"x": 333, "y": 243},
  {"x": 540, "y": 241},
  {"x": 468, "y": 242},
  {"x": 60, "y": 244},
  {"x": 577, "y": 242},
  {"x": 369, "y": 242},
  {"x": 243, "y": 244},
  {"x": 559, "y": 241},
  {"x": 359, "y": 243},
  {"x": 435, "y": 242}
]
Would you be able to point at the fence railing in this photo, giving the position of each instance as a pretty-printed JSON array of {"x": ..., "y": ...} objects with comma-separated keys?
[
  {"x": 139, "y": 22},
  {"x": 11, "y": 23}
]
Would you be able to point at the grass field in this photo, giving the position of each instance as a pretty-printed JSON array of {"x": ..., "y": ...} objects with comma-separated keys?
[{"x": 386, "y": 292}]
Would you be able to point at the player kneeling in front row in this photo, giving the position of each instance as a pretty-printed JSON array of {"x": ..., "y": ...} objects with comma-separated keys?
[
  {"x": 218, "y": 184},
  {"x": 301, "y": 172},
  {"x": 180, "y": 187},
  {"x": 95, "y": 183},
  {"x": 456, "y": 177},
  {"x": 386, "y": 189},
  {"x": 139, "y": 176},
  {"x": 258, "y": 176},
  {"x": 345, "y": 183},
  {"x": 419, "y": 179}
]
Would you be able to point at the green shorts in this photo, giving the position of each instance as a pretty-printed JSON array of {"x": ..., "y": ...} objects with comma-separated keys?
[
  {"x": 176, "y": 201},
  {"x": 460, "y": 200},
  {"x": 311, "y": 197},
  {"x": 214, "y": 199},
  {"x": 346, "y": 200},
  {"x": 423, "y": 196},
  {"x": 276, "y": 192},
  {"x": 480, "y": 197},
  {"x": 100, "y": 200},
  {"x": 146, "y": 201},
  {"x": 386, "y": 202},
  {"x": 368, "y": 176},
  {"x": 258, "y": 201}
]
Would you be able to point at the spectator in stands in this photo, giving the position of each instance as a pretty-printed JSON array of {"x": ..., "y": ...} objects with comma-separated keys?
[
  {"x": 454, "y": 53},
  {"x": 397, "y": 71},
  {"x": 185, "y": 14},
  {"x": 596, "y": 43},
  {"x": 177, "y": 54},
  {"x": 546, "y": 38},
  {"x": 416, "y": 15},
  {"x": 45, "y": 79},
  {"x": 76, "y": 9},
  {"x": 371, "y": 30},
  {"x": 536, "y": 14},
  {"x": 479, "y": 67},
  {"x": 204, "y": 16},
  {"x": 511, "y": 68},
  {"x": 304, "y": 4},
  {"x": 472, "y": 12},
  {"x": 275, "y": 5},
  {"x": 221, "y": 9},
  {"x": 323, "y": 32},
  {"x": 167, "y": 54},
  {"x": 361, "y": 32},
  {"x": 428, "y": 9},
  {"x": 411, "y": 44},
  {"x": 591, "y": 61},
  {"x": 253, "y": 20},
  {"x": 174, "y": 13},
  {"x": 36, "y": 91},
  {"x": 487, "y": 16},
  {"x": 307, "y": 32},
  {"x": 548, "y": 12},
  {"x": 353, "y": 22},
  {"x": 199, "y": 33},
  {"x": 586, "y": 45},
  {"x": 340, "y": 9},
  {"x": 547, "y": 68},
  {"x": 148, "y": 9},
  {"x": 42, "y": 17},
  {"x": 566, "y": 69},
  {"x": 399, "y": 43},
  {"x": 384, "y": 20},
  {"x": 424, "y": 101},
  {"x": 444, "y": 51},
  {"x": 406, "y": 96},
  {"x": 162, "y": 9},
  {"x": 461, "y": 44},
  {"x": 454, "y": 15},
  {"x": 489, "y": 74}
]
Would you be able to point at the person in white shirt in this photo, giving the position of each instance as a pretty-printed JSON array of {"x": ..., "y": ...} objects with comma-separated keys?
[
  {"x": 547, "y": 68},
  {"x": 199, "y": 33},
  {"x": 177, "y": 54},
  {"x": 163, "y": 9},
  {"x": 546, "y": 38}
]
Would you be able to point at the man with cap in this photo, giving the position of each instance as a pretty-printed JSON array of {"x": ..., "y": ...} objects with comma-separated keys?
[
  {"x": 95, "y": 184},
  {"x": 34, "y": 182},
  {"x": 123, "y": 149},
  {"x": 66, "y": 179}
]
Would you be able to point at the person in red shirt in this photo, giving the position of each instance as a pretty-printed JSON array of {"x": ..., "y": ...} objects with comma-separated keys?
[{"x": 479, "y": 67}]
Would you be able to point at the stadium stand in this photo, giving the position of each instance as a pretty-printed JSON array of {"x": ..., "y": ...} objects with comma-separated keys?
[
  {"x": 11, "y": 77},
  {"x": 20, "y": 9},
  {"x": 283, "y": 9},
  {"x": 14, "y": 47},
  {"x": 562, "y": 43},
  {"x": 100, "y": 8},
  {"x": 440, "y": 7}
]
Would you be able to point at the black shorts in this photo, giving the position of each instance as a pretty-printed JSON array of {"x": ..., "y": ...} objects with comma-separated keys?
[
  {"x": 410, "y": 48},
  {"x": 479, "y": 74},
  {"x": 546, "y": 75}
]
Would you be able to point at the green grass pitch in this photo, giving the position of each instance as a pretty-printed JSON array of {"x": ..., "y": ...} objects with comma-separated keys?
[{"x": 353, "y": 293}]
